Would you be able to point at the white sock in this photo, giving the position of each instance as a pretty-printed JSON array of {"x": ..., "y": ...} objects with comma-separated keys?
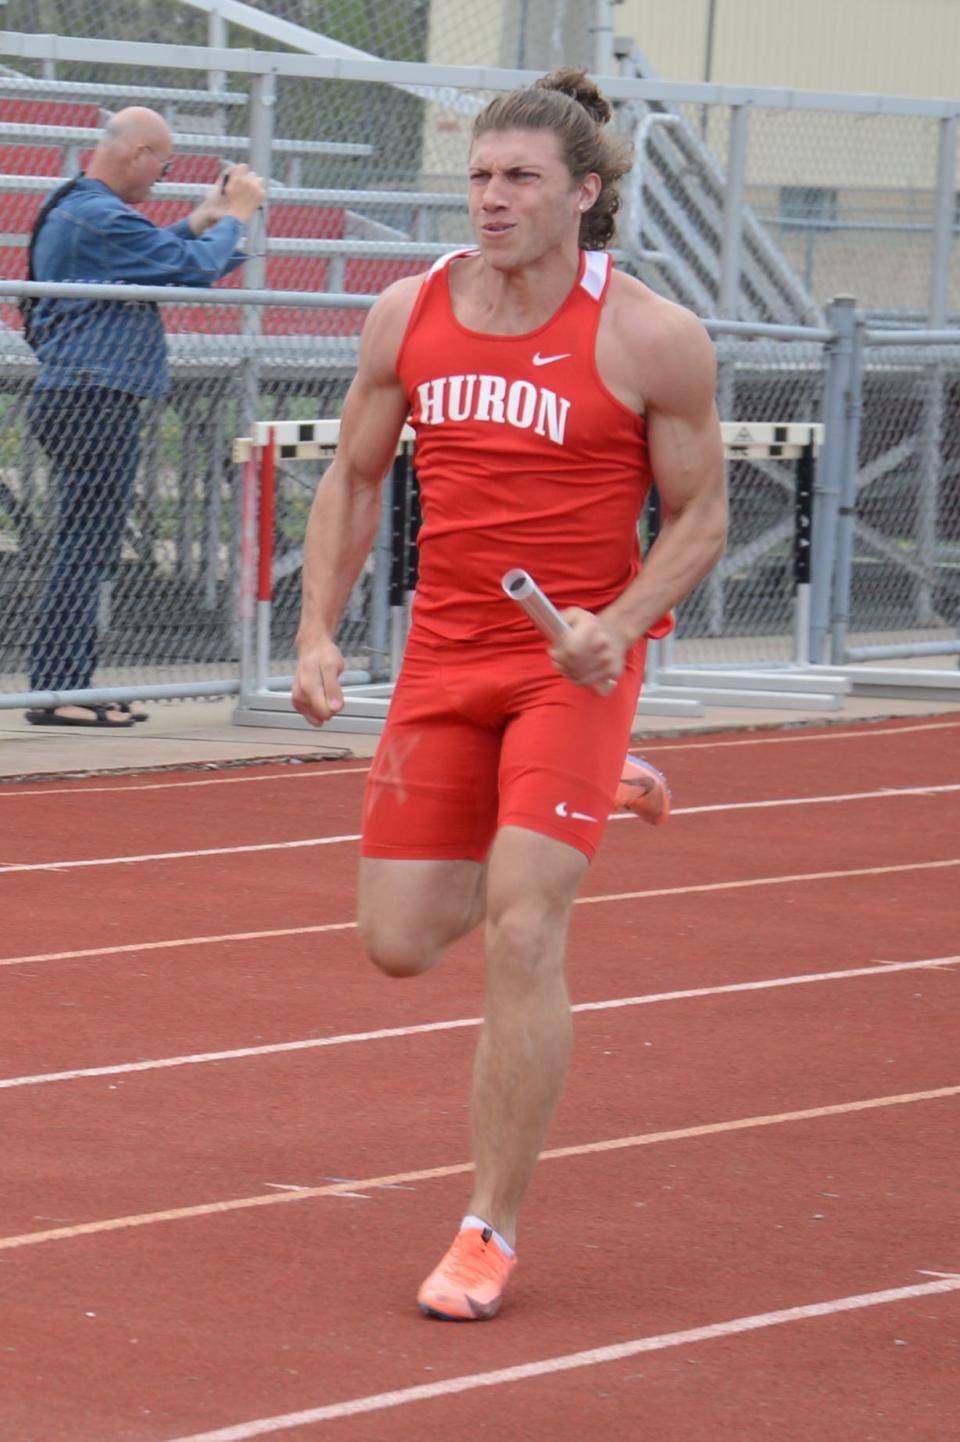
[{"x": 470, "y": 1223}]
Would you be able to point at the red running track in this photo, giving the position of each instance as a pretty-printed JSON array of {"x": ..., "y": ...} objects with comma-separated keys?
[{"x": 232, "y": 1151}]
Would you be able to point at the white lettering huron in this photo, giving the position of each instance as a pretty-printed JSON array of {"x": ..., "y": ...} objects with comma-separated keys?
[
  {"x": 461, "y": 397},
  {"x": 553, "y": 409},
  {"x": 520, "y": 404},
  {"x": 490, "y": 400},
  {"x": 431, "y": 401}
]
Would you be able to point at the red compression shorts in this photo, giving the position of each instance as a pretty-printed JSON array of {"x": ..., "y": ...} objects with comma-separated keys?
[{"x": 478, "y": 738}]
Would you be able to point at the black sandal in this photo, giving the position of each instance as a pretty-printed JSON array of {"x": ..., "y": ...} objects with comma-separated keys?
[{"x": 49, "y": 716}]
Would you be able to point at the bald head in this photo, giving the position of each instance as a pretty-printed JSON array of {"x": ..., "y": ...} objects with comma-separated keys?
[
  {"x": 133, "y": 154},
  {"x": 136, "y": 126}
]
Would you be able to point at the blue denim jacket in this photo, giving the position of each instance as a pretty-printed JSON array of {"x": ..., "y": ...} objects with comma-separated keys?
[{"x": 91, "y": 235}]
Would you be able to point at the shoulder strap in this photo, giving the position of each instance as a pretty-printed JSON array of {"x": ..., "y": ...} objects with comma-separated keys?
[
  {"x": 51, "y": 202},
  {"x": 596, "y": 272},
  {"x": 444, "y": 260},
  {"x": 27, "y": 302}
]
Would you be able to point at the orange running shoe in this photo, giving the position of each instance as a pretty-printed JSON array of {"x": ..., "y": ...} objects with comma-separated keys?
[
  {"x": 468, "y": 1284},
  {"x": 644, "y": 791}
]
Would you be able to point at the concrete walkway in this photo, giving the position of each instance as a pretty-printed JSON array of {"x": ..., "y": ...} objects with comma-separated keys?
[{"x": 202, "y": 734}]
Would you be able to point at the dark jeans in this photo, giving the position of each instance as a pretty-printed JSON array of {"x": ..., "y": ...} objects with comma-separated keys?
[{"x": 92, "y": 438}]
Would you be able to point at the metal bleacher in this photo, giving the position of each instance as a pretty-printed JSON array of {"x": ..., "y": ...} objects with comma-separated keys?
[
  {"x": 351, "y": 239},
  {"x": 346, "y": 238},
  {"x": 674, "y": 220},
  {"x": 321, "y": 239}
]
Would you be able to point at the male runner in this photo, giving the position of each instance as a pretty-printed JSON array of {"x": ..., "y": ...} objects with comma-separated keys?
[{"x": 546, "y": 389}]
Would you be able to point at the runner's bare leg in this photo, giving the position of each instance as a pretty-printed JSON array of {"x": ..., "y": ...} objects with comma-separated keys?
[
  {"x": 524, "y": 1048},
  {"x": 409, "y": 912}
]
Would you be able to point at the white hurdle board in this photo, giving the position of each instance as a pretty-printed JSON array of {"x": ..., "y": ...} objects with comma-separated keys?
[
  {"x": 667, "y": 691},
  {"x": 742, "y": 441},
  {"x": 299, "y": 440}
]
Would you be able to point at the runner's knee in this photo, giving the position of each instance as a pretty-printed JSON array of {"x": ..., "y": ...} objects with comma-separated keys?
[
  {"x": 525, "y": 942},
  {"x": 395, "y": 952}
]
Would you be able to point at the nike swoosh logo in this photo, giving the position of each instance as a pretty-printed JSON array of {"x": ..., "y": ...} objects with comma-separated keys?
[
  {"x": 545, "y": 360},
  {"x": 561, "y": 810}
]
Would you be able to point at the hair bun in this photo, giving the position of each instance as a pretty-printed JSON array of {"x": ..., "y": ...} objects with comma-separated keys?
[{"x": 573, "y": 82}]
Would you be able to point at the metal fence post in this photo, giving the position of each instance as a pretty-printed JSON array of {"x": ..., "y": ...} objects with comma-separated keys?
[
  {"x": 841, "y": 317},
  {"x": 928, "y": 493},
  {"x": 262, "y": 97},
  {"x": 732, "y": 241},
  {"x": 262, "y": 105},
  {"x": 728, "y": 306},
  {"x": 602, "y": 31},
  {"x": 218, "y": 38},
  {"x": 932, "y": 425},
  {"x": 847, "y": 513},
  {"x": 944, "y": 221}
]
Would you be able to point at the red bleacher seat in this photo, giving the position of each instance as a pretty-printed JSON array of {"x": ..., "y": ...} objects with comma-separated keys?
[
  {"x": 18, "y": 212},
  {"x": 210, "y": 320},
  {"x": 296, "y": 272},
  {"x": 13, "y": 262},
  {"x": 370, "y": 277},
  {"x": 309, "y": 273},
  {"x": 13, "y": 266},
  {"x": 20, "y": 110},
  {"x": 300, "y": 221},
  {"x": 281, "y": 321},
  {"x": 186, "y": 170},
  {"x": 195, "y": 169},
  {"x": 31, "y": 160},
  {"x": 294, "y": 221}
]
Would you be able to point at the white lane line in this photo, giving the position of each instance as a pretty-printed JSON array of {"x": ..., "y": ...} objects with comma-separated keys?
[
  {"x": 769, "y": 881},
  {"x": 457, "y": 1169},
  {"x": 425, "y": 1028},
  {"x": 178, "y": 855},
  {"x": 310, "y": 771},
  {"x": 888, "y": 793},
  {"x": 176, "y": 943},
  {"x": 214, "y": 939},
  {"x": 11, "y": 791},
  {"x": 550, "y": 1366},
  {"x": 796, "y": 738}
]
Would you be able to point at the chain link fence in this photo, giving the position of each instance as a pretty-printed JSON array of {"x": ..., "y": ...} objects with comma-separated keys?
[
  {"x": 119, "y": 516},
  {"x": 846, "y": 201},
  {"x": 366, "y": 185},
  {"x": 850, "y": 203},
  {"x": 899, "y": 579},
  {"x": 743, "y": 613}
]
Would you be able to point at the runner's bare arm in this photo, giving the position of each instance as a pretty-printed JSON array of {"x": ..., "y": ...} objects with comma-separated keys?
[
  {"x": 686, "y": 457},
  {"x": 657, "y": 358},
  {"x": 346, "y": 509}
]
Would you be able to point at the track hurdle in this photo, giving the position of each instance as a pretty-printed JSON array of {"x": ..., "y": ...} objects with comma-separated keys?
[
  {"x": 792, "y": 684},
  {"x": 264, "y": 700}
]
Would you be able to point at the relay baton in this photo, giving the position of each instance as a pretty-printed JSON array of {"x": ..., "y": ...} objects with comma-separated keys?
[{"x": 523, "y": 589}]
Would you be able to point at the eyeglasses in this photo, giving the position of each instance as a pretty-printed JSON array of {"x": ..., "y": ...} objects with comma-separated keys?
[{"x": 165, "y": 165}]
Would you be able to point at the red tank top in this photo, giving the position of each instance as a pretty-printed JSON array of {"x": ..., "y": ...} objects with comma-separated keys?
[{"x": 524, "y": 458}]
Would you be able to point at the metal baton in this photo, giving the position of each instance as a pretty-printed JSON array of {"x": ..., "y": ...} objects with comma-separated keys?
[{"x": 523, "y": 589}]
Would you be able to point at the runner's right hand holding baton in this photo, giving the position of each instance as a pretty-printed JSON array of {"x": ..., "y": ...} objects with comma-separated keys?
[{"x": 523, "y": 589}]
